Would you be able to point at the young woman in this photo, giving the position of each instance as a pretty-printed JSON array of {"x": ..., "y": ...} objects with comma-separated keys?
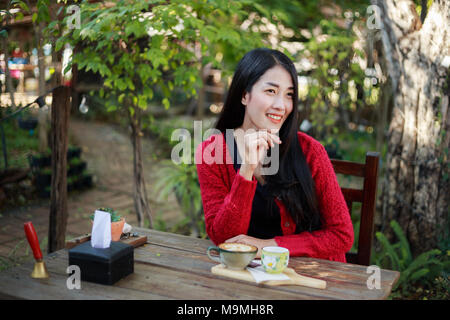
[{"x": 300, "y": 206}]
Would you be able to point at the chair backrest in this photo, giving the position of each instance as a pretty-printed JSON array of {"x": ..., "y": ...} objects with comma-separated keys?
[{"x": 366, "y": 196}]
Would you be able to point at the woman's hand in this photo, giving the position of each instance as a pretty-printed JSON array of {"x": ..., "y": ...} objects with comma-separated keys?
[
  {"x": 256, "y": 145},
  {"x": 259, "y": 243}
]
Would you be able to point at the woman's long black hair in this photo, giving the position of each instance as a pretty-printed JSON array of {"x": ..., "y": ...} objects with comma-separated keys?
[{"x": 293, "y": 182}]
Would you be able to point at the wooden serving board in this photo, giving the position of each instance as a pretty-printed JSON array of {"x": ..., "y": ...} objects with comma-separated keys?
[
  {"x": 295, "y": 278},
  {"x": 133, "y": 241}
]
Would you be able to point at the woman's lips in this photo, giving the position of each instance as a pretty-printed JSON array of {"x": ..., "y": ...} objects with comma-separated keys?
[{"x": 274, "y": 118}]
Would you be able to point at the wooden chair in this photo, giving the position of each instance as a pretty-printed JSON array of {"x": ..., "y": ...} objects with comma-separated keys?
[{"x": 366, "y": 196}]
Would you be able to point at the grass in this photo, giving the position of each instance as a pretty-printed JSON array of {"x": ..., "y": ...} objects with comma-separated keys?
[{"x": 19, "y": 144}]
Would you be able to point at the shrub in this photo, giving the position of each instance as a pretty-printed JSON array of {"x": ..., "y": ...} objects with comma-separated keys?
[{"x": 422, "y": 270}]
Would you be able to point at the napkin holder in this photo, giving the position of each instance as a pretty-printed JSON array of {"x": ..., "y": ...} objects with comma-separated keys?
[{"x": 104, "y": 266}]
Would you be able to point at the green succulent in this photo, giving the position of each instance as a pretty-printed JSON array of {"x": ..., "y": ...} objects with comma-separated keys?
[{"x": 114, "y": 214}]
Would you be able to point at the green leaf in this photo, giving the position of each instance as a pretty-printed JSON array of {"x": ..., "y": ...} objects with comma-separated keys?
[
  {"x": 121, "y": 84},
  {"x": 68, "y": 67},
  {"x": 419, "y": 274},
  {"x": 406, "y": 251},
  {"x": 142, "y": 102},
  {"x": 166, "y": 103},
  {"x": 60, "y": 43},
  {"x": 148, "y": 92},
  {"x": 111, "y": 108},
  {"x": 390, "y": 252}
]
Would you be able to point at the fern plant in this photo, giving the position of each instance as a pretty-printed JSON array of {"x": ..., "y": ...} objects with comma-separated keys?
[
  {"x": 183, "y": 181},
  {"x": 424, "y": 268}
]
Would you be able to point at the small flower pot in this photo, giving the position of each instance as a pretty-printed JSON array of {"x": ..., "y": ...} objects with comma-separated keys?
[
  {"x": 116, "y": 229},
  {"x": 77, "y": 169},
  {"x": 40, "y": 161},
  {"x": 27, "y": 123},
  {"x": 43, "y": 180},
  {"x": 78, "y": 184},
  {"x": 73, "y": 152},
  {"x": 86, "y": 181}
]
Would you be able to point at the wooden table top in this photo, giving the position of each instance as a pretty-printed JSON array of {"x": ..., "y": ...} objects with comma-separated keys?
[{"x": 172, "y": 266}]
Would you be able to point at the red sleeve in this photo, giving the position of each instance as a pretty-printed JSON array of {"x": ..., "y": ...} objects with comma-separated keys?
[
  {"x": 335, "y": 237},
  {"x": 227, "y": 211}
]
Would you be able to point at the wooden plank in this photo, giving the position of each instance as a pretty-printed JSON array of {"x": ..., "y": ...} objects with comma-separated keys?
[
  {"x": 294, "y": 278},
  {"x": 196, "y": 245},
  {"x": 175, "y": 240},
  {"x": 352, "y": 195},
  {"x": 354, "y": 284},
  {"x": 368, "y": 209},
  {"x": 349, "y": 273},
  {"x": 348, "y": 167},
  {"x": 170, "y": 260},
  {"x": 176, "y": 266},
  {"x": 187, "y": 285},
  {"x": 133, "y": 241},
  {"x": 177, "y": 284},
  {"x": 17, "y": 283}
]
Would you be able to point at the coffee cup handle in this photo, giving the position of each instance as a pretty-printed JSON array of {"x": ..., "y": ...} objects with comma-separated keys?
[{"x": 213, "y": 248}]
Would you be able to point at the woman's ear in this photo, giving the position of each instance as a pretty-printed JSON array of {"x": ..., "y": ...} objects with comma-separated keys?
[{"x": 245, "y": 98}]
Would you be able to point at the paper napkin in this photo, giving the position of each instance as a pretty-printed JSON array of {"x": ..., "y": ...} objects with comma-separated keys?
[
  {"x": 260, "y": 275},
  {"x": 101, "y": 230}
]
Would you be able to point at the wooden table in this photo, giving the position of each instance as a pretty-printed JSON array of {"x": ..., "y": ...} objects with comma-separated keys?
[{"x": 172, "y": 266}]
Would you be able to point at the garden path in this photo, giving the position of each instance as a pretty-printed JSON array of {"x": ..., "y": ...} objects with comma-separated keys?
[{"x": 108, "y": 152}]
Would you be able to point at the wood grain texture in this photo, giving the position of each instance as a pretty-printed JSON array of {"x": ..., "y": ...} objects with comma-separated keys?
[
  {"x": 132, "y": 241},
  {"x": 366, "y": 196},
  {"x": 171, "y": 266},
  {"x": 59, "y": 142},
  {"x": 294, "y": 278}
]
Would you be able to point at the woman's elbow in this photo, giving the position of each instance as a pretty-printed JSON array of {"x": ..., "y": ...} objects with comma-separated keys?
[{"x": 348, "y": 237}]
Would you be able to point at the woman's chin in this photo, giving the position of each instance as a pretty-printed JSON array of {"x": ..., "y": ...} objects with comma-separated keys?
[{"x": 274, "y": 128}]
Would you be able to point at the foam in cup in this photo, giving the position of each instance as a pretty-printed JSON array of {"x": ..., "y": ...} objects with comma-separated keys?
[{"x": 238, "y": 247}]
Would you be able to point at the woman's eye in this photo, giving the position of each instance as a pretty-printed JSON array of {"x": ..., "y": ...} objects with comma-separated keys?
[
  {"x": 270, "y": 90},
  {"x": 291, "y": 95}
]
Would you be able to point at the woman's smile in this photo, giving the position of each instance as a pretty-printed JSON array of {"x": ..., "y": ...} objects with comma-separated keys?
[{"x": 274, "y": 118}]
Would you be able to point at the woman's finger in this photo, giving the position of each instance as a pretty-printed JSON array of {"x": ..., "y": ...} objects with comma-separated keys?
[
  {"x": 270, "y": 137},
  {"x": 275, "y": 138},
  {"x": 263, "y": 142},
  {"x": 234, "y": 239}
]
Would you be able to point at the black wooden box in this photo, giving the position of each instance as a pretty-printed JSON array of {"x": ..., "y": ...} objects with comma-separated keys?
[{"x": 105, "y": 266}]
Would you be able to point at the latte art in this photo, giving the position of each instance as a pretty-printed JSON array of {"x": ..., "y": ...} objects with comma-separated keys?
[{"x": 238, "y": 247}]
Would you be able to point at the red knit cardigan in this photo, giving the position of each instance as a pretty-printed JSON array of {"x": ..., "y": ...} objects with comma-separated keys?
[{"x": 227, "y": 201}]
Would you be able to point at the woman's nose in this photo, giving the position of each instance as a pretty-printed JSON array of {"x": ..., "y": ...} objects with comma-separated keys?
[{"x": 279, "y": 103}]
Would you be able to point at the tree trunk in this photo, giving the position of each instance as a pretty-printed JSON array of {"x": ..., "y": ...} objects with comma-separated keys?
[
  {"x": 58, "y": 206},
  {"x": 416, "y": 188},
  {"x": 139, "y": 192}
]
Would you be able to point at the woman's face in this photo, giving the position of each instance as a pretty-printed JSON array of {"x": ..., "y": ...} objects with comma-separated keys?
[{"x": 270, "y": 102}]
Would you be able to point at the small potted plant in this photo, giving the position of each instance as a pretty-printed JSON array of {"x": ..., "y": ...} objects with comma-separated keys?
[
  {"x": 117, "y": 223},
  {"x": 27, "y": 121},
  {"x": 75, "y": 166},
  {"x": 86, "y": 180},
  {"x": 40, "y": 160},
  {"x": 43, "y": 178},
  {"x": 73, "y": 152}
]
